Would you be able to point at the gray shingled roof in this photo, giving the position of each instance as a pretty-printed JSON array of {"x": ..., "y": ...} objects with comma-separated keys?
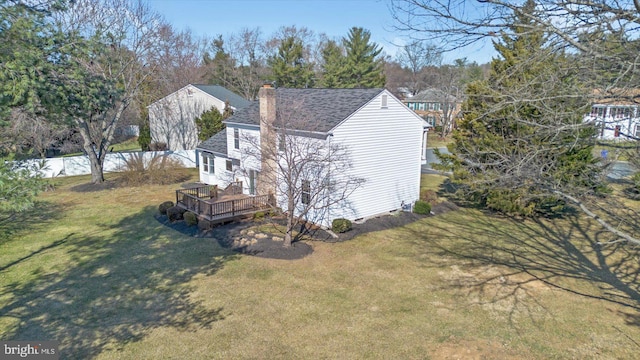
[
  {"x": 324, "y": 108},
  {"x": 431, "y": 95},
  {"x": 223, "y": 94},
  {"x": 216, "y": 144}
]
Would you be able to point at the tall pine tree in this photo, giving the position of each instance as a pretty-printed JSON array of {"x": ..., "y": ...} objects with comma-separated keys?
[
  {"x": 363, "y": 66},
  {"x": 522, "y": 142},
  {"x": 333, "y": 65},
  {"x": 290, "y": 67}
]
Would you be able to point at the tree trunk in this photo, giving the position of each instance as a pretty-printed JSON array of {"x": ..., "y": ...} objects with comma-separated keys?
[
  {"x": 290, "y": 222},
  {"x": 97, "y": 173}
]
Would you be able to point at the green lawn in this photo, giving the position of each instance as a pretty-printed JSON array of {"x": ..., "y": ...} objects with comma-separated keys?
[
  {"x": 97, "y": 272},
  {"x": 616, "y": 150},
  {"x": 435, "y": 141}
]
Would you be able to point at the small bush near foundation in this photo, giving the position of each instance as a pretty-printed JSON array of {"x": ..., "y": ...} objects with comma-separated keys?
[
  {"x": 258, "y": 215},
  {"x": 422, "y": 207},
  {"x": 164, "y": 206},
  {"x": 175, "y": 213},
  {"x": 190, "y": 218},
  {"x": 340, "y": 225}
]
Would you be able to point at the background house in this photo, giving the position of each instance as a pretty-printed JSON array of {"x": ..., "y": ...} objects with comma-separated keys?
[
  {"x": 435, "y": 106},
  {"x": 386, "y": 143},
  {"x": 172, "y": 118},
  {"x": 616, "y": 120}
]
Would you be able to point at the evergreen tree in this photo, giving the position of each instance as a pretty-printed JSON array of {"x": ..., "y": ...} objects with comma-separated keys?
[
  {"x": 144, "y": 139},
  {"x": 522, "y": 142},
  {"x": 220, "y": 68},
  {"x": 209, "y": 123},
  {"x": 290, "y": 67},
  {"x": 363, "y": 65},
  {"x": 333, "y": 66}
]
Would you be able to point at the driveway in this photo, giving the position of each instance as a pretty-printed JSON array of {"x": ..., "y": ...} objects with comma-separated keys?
[{"x": 432, "y": 159}]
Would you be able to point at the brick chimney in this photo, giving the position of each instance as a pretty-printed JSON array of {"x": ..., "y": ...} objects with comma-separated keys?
[{"x": 267, "y": 177}]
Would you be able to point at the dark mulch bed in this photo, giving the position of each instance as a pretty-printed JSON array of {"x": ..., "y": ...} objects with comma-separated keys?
[
  {"x": 265, "y": 248},
  {"x": 269, "y": 248}
]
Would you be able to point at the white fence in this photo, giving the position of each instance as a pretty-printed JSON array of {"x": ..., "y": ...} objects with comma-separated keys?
[{"x": 113, "y": 162}]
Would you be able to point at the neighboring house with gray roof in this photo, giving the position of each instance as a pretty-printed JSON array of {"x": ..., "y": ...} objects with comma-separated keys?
[
  {"x": 385, "y": 139},
  {"x": 172, "y": 118},
  {"x": 437, "y": 107}
]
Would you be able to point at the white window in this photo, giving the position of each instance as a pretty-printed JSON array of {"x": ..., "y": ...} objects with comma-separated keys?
[
  {"x": 207, "y": 164},
  {"x": 236, "y": 138},
  {"x": 229, "y": 165},
  {"x": 306, "y": 192},
  {"x": 638, "y": 131},
  {"x": 383, "y": 101}
]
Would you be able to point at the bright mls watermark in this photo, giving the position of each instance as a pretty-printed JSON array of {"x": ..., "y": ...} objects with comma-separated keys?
[{"x": 42, "y": 350}]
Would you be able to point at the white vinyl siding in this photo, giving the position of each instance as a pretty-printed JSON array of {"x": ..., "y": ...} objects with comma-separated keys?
[
  {"x": 385, "y": 149},
  {"x": 172, "y": 118}
]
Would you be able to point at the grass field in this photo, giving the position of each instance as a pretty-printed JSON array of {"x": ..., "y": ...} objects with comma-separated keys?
[
  {"x": 97, "y": 272},
  {"x": 435, "y": 141}
]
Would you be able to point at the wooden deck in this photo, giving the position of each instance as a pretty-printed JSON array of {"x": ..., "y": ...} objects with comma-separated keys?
[{"x": 212, "y": 204}]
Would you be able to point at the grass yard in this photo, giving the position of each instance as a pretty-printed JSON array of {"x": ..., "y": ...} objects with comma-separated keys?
[
  {"x": 435, "y": 141},
  {"x": 98, "y": 273}
]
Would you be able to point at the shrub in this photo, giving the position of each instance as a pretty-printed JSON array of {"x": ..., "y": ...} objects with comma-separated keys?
[
  {"x": 422, "y": 207},
  {"x": 258, "y": 215},
  {"x": 340, "y": 225},
  {"x": 158, "y": 146},
  {"x": 164, "y": 206},
  {"x": 190, "y": 218},
  {"x": 158, "y": 170},
  {"x": 175, "y": 213}
]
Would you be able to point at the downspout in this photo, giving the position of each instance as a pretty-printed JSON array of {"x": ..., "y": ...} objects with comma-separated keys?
[{"x": 328, "y": 198}]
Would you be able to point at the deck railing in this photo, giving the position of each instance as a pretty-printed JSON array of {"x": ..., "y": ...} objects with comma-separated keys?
[
  {"x": 205, "y": 207},
  {"x": 235, "y": 188},
  {"x": 201, "y": 192}
]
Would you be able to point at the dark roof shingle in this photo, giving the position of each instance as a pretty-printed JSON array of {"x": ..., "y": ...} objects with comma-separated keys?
[
  {"x": 224, "y": 94},
  {"x": 323, "y": 108},
  {"x": 216, "y": 144}
]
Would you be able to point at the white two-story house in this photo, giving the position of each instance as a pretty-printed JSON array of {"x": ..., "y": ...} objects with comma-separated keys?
[
  {"x": 386, "y": 143},
  {"x": 616, "y": 114},
  {"x": 172, "y": 118}
]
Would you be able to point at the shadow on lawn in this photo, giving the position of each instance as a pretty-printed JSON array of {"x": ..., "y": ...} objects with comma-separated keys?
[
  {"x": 41, "y": 214},
  {"x": 564, "y": 254},
  {"x": 128, "y": 282}
]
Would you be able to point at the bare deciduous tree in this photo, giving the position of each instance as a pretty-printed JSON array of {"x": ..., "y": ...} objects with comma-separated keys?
[
  {"x": 307, "y": 172},
  {"x": 128, "y": 30},
  {"x": 416, "y": 57}
]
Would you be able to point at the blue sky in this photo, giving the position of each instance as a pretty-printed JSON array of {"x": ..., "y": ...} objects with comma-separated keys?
[{"x": 332, "y": 17}]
